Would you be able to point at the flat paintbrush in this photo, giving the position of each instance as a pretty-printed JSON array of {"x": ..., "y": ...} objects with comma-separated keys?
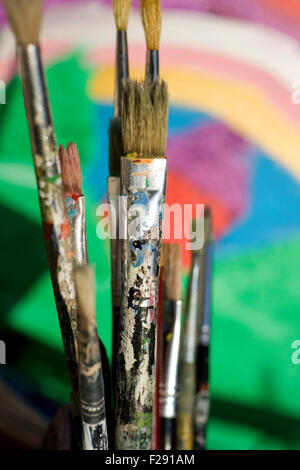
[
  {"x": 172, "y": 316},
  {"x": 25, "y": 19},
  {"x": 202, "y": 400},
  {"x": 91, "y": 385},
  {"x": 151, "y": 15},
  {"x": 143, "y": 185}
]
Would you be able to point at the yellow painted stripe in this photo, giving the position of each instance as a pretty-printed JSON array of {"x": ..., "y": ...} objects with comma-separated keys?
[{"x": 242, "y": 106}]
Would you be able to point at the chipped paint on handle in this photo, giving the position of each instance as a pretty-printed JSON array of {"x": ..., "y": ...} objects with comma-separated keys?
[
  {"x": 144, "y": 185},
  {"x": 92, "y": 399}
]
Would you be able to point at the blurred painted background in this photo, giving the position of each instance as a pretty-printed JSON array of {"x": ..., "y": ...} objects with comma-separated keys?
[{"x": 234, "y": 143}]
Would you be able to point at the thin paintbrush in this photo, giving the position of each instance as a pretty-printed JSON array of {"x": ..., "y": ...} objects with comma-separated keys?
[
  {"x": 151, "y": 15},
  {"x": 75, "y": 201},
  {"x": 171, "y": 344},
  {"x": 91, "y": 385},
  {"x": 143, "y": 185},
  {"x": 121, "y": 13},
  {"x": 202, "y": 403},
  {"x": 187, "y": 381},
  {"x": 25, "y": 19},
  {"x": 115, "y": 153}
]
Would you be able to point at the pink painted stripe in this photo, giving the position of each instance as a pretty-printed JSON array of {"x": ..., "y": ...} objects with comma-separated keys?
[{"x": 207, "y": 62}]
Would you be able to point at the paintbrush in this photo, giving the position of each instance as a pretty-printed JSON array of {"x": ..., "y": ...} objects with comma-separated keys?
[
  {"x": 115, "y": 153},
  {"x": 143, "y": 185},
  {"x": 202, "y": 400},
  {"x": 121, "y": 14},
  {"x": 25, "y": 19},
  {"x": 151, "y": 15},
  {"x": 172, "y": 316},
  {"x": 91, "y": 385},
  {"x": 187, "y": 381},
  {"x": 75, "y": 202}
]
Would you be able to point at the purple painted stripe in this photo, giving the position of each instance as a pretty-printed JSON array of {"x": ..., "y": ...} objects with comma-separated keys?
[
  {"x": 215, "y": 160},
  {"x": 254, "y": 11}
]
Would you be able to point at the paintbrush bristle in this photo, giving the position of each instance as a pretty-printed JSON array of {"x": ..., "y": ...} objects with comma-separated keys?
[
  {"x": 145, "y": 118},
  {"x": 70, "y": 170},
  {"x": 172, "y": 271},
  {"x": 115, "y": 146},
  {"x": 25, "y": 17},
  {"x": 151, "y": 15},
  {"x": 85, "y": 291},
  {"x": 121, "y": 13}
]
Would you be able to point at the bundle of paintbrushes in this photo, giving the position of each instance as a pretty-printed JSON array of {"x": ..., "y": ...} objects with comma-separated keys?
[
  {"x": 65, "y": 237},
  {"x": 136, "y": 192}
]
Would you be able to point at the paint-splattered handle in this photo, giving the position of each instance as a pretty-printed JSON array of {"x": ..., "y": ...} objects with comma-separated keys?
[
  {"x": 51, "y": 197},
  {"x": 143, "y": 184}
]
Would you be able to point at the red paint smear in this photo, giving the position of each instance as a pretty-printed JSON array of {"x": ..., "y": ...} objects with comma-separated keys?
[
  {"x": 181, "y": 191},
  {"x": 64, "y": 229}
]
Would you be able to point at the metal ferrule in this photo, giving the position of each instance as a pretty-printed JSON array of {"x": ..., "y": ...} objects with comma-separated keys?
[
  {"x": 152, "y": 65},
  {"x": 143, "y": 185},
  {"x": 122, "y": 70},
  {"x": 169, "y": 389},
  {"x": 190, "y": 334},
  {"x": 76, "y": 215},
  {"x": 113, "y": 199},
  {"x": 143, "y": 182}
]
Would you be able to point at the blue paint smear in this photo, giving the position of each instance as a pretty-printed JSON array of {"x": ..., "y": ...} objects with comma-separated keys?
[
  {"x": 273, "y": 213},
  {"x": 181, "y": 119}
]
